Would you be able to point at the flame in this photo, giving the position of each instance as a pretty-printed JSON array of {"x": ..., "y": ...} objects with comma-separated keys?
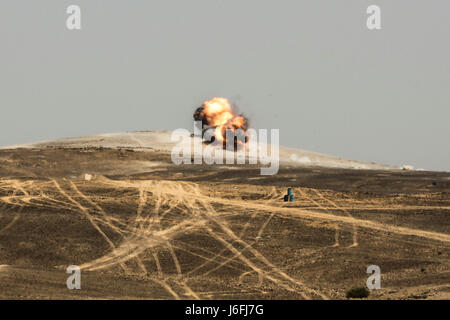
[{"x": 218, "y": 113}]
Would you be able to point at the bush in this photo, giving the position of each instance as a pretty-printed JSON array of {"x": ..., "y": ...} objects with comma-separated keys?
[{"x": 359, "y": 292}]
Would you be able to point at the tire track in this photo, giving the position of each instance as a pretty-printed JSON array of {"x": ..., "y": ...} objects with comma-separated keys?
[
  {"x": 85, "y": 211},
  {"x": 355, "y": 230}
]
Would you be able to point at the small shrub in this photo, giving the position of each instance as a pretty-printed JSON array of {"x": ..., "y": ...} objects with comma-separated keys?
[{"x": 357, "y": 292}]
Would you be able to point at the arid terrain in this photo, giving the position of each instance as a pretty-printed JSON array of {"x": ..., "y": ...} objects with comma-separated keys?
[{"x": 144, "y": 228}]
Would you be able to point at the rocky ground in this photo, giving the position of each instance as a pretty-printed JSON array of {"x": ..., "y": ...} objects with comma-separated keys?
[{"x": 143, "y": 228}]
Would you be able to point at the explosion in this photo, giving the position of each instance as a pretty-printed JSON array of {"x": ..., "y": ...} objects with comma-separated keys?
[{"x": 217, "y": 113}]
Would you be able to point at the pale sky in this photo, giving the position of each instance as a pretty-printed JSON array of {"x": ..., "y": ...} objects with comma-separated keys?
[{"x": 309, "y": 68}]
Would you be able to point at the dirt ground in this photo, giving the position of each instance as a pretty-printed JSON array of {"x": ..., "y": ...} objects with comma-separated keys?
[{"x": 143, "y": 228}]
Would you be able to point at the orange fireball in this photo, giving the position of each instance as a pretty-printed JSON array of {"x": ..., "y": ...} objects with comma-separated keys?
[{"x": 218, "y": 113}]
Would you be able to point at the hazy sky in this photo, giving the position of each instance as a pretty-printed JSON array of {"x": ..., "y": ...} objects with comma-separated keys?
[{"x": 310, "y": 68}]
